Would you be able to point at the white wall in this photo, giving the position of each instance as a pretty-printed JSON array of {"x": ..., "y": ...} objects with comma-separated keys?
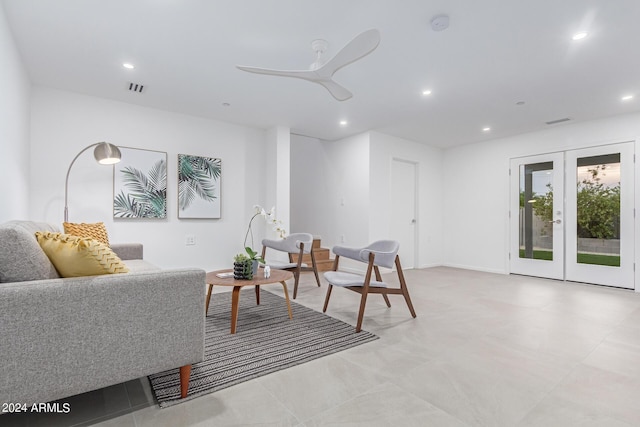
[
  {"x": 341, "y": 188},
  {"x": 63, "y": 123},
  {"x": 476, "y": 186},
  {"x": 309, "y": 186},
  {"x": 348, "y": 178},
  {"x": 14, "y": 129},
  {"x": 330, "y": 189},
  {"x": 384, "y": 149},
  {"x": 278, "y": 180}
]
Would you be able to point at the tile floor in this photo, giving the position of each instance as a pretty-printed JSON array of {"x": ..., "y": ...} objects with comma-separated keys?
[{"x": 485, "y": 350}]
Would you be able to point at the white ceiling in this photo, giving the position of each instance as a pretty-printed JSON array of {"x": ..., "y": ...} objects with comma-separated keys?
[{"x": 494, "y": 54}]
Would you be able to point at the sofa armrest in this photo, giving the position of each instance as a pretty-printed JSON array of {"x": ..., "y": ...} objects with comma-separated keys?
[
  {"x": 127, "y": 251},
  {"x": 61, "y": 337}
]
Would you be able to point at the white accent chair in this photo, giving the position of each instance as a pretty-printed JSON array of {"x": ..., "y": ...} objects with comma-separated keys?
[
  {"x": 381, "y": 253},
  {"x": 296, "y": 243}
]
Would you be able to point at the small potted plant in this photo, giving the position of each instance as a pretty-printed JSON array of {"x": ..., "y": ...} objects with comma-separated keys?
[
  {"x": 255, "y": 259},
  {"x": 242, "y": 267}
]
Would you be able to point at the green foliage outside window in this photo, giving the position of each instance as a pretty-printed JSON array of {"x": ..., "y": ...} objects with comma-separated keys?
[{"x": 598, "y": 207}]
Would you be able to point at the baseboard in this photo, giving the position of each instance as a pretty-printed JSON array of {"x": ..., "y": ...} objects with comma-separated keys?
[
  {"x": 430, "y": 265},
  {"x": 450, "y": 265},
  {"x": 475, "y": 268}
]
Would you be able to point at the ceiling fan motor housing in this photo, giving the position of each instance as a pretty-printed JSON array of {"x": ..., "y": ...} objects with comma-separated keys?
[{"x": 319, "y": 46}]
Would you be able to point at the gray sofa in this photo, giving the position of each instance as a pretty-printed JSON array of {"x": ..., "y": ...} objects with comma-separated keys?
[{"x": 64, "y": 336}]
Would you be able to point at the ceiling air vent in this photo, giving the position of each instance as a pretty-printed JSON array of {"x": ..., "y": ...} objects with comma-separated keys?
[
  {"x": 553, "y": 122},
  {"x": 136, "y": 87}
]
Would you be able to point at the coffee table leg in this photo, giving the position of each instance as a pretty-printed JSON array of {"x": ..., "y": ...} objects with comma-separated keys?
[
  {"x": 257, "y": 295},
  {"x": 235, "y": 300},
  {"x": 206, "y": 310},
  {"x": 286, "y": 297}
]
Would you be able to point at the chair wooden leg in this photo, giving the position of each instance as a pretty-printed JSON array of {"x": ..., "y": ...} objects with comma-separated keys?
[
  {"x": 363, "y": 303},
  {"x": 185, "y": 373},
  {"x": 405, "y": 292},
  {"x": 386, "y": 299},
  {"x": 257, "y": 295},
  {"x": 403, "y": 286},
  {"x": 315, "y": 268},
  {"x": 326, "y": 299},
  {"x": 376, "y": 270},
  {"x": 364, "y": 291}
]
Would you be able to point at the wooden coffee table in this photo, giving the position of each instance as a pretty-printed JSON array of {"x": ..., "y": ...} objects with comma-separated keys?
[{"x": 277, "y": 276}]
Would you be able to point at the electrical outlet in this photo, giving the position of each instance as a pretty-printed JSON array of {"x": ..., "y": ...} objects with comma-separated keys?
[
  {"x": 190, "y": 239},
  {"x": 342, "y": 239}
]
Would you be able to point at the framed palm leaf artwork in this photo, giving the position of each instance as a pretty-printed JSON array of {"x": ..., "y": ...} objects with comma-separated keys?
[
  {"x": 199, "y": 187},
  {"x": 140, "y": 184}
]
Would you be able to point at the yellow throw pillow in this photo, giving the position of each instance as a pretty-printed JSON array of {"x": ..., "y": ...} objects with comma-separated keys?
[
  {"x": 96, "y": 231},
  {"x": 75, "y": 256}
]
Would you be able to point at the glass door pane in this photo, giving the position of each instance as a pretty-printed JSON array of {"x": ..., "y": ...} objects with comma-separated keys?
[
  {"x": 536, "y": 211},
  {"x": 598, "y": 210}
]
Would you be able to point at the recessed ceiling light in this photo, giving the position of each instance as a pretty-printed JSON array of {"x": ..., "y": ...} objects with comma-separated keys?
[
  {"x": 343, "y": 122},
  {"x": 579, "y": 36},
  {"x": 426, "y": 92},
  {"x": 627, "y": 97},
  {"x": 226, "y": 104},
  {"x": 128, "y": 66},
  {"x": 520, "y": 103},
  {"x": 486, "y": 129}
]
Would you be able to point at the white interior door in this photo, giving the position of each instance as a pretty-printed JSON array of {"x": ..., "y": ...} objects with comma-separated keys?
[
  {"x": 404, "y": 224},
  {"x": 536, "y": 216},
  {"x": 599, "y": 219}
]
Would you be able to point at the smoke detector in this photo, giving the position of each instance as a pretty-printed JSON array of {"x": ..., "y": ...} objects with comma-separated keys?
[{"x": 440, "y": 22}]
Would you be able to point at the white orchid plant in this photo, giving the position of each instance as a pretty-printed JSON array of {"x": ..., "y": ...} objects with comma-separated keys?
[{"x": 270, "y": 218}]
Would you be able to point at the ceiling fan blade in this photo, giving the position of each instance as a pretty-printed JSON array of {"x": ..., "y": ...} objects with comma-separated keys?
[
  {"x": 302, "y": 74},
  {"x": 362, "y": 45},
  {"x": 337, "y": 91}
]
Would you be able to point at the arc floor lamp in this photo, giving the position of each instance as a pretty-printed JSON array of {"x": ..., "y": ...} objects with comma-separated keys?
[{"x": 105, "y": 154}]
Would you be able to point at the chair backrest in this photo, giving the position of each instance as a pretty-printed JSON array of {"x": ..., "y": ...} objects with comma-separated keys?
[
  {"x": 385, "y": 252},
  {"x": 291, "y": 243}
]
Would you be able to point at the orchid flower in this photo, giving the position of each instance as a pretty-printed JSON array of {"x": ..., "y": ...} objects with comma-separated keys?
[{"x": 269, "y": 217}]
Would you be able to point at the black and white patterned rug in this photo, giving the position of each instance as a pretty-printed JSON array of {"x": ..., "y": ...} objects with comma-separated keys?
[{"x": 266, "y": 341}]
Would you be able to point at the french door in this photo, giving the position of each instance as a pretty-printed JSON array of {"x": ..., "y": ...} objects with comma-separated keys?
[
  {"x": 537, "y": 216},
  {"x": 572, "y": 215}
]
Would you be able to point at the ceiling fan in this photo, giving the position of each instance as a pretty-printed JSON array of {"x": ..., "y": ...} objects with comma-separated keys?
[{"x": 321, "y": 72}]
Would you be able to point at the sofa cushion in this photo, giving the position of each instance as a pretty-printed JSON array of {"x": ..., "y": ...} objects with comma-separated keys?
[
  {"x": 128, "y": 251},
  {"x": 75, "y": 256},
  {"x": 96, "y": 231},
  {"x": 21, "y": 258},
  {"x": 140, "y": 266}
]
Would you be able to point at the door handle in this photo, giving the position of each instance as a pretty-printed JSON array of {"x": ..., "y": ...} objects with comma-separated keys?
[{"x": 557, "y": 221}]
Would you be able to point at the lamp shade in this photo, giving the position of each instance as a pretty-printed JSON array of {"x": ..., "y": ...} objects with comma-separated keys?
[{"x": 107, "y": 154}]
